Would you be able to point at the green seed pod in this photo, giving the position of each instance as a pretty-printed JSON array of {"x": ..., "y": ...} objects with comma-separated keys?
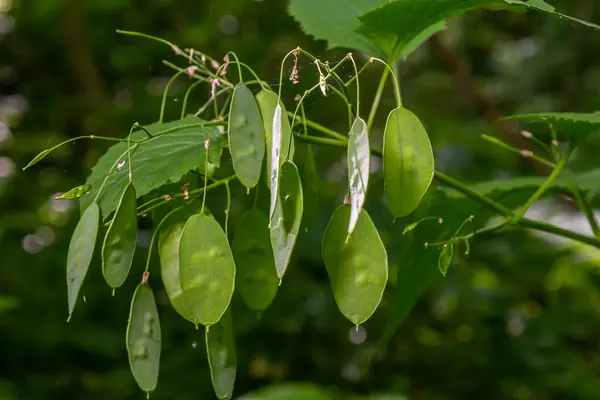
[
  {"x": 168, "y": 251},
  {"x": 287, "y": 216},
  {"x": 246, "y": 136},
  {"x": 220, "y": 349},
  {"x": 81, "y": 250},
  {"x": 359, "y": 159},
  {"x": 256, "y": 278},
  {"x": 144, "y": 338},
  {"x": 206, "y": 269},
  {"x": 408, "y": 164},
  {"x": 357, "y": 268},
  {"x": 120, "y": 240}
]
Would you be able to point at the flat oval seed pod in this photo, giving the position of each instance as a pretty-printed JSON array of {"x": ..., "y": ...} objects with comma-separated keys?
[
  {"x": 206, "y": 269},
  {"x": 81, "y": 250},
  {"x": 246, "y": 136},
  {"x": 220, "y": 349},
  {"x": 267, "y": 102},
  {"x": 75, "y": 193},
  {"x": 359, "y": 159},
  {"x": 357, "y": 268},
  {"x": 408, "y": 164},
  {"x": 168, "y": 252},
  {"x": 144, "y": 338},
  {"x": 275, "y": 158},
  {"x": 287, "y": 216},
  {"x": 120, "y": 240},
  {"x": 256, "y": 279}
]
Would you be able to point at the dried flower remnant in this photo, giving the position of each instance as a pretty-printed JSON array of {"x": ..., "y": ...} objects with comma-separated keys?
[
  {"x": 186, "y": 192},
  {"x": 145, "y": 277},
  {"x": 203, "y": 58},
  {"x": 213, "y": 88},
  {"x": 347, "y": 198},
  {"x": 191, "y": 70},
  {"x": 322, "y": 80},
  {"x": 526, "y": 153},
  {"x": 526, "y": 134},
  {"x": 120, "y": 165},
  {"x": 191, "y": 55},
  {"x": 177, "y": 50},
  {"x": 294, "y": 74},
  {"x": 166, "y": 197},
  {"x": 224, "y": 70},
  {"x": 214, "y": 64}
]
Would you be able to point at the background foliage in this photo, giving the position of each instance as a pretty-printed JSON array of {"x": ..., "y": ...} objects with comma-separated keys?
[{"x": 516, "y": 319}]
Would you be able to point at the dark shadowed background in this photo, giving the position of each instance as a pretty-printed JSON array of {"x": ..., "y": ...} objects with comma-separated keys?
[{"x": 518, "y": 319}]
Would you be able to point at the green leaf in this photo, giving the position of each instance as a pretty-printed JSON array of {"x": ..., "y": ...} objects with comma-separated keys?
[
  {"x": 445, "y": 258},
  {"x": 573, "y": 126},
  {"x": 418, "y": 40},
  {"x": 81, "y": 250},
  {"x": 144, "y": 338},
  {"x": 309, "y": 175},
  {"x": 359, "y": 160},
  {"x": 267, "y": 102},
  {"x": 176, "y": 148},
  {"x": 220, "y": 349},
  {"x": 416, "y": 271},
  {"x": 335, "y": 21},
  {"x": 401, "y": 21},
  {"x": 256, "y": 277},
  {"x": 408, "y": 164},
  {"x": 357, "y": 267},
  {"x": 75, "y": 193},
  {"x": 120, "y": 240},
  {"x": 246, "y": 136},
  {"x": 206, "y": 268},
  {"x": 541, "y": 5},
  {"x": 287, "y": 217}
]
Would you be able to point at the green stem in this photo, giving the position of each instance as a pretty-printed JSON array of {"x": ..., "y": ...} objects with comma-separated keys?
[
  {"x": 329, "y": 132},
  {"x": 397, "y": 92},
  {"x": 508, "y": 147},
  {"x": 228, "y": 207},
  {"x": 363, "y": 69},
  {"x": 166, "y": 92},
  {"x": 222, "y": 81},
  {"x": 199, "y": 191},
  {"x": 187, "y": 95},
  {"x": 93, "y": 137},
  {"x": 478, "y": 232},
  {"x": 377, "y": 99},
  {"x": 562, "y": 162},
  {"x": 544, "y": 227},
  {"x": 464, "y": 189},
  {"x": 448, "y": 181}
]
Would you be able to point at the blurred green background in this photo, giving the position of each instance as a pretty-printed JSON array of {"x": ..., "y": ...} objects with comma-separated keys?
[{"x": 518, "y": 319}]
